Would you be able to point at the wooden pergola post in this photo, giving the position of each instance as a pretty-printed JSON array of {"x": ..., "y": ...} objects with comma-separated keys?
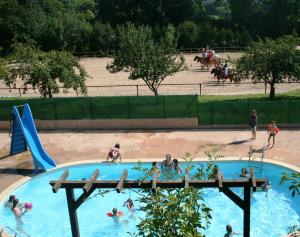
[
  {"x": 72, "y": 212},
  {"x": 90, "y": 185}
]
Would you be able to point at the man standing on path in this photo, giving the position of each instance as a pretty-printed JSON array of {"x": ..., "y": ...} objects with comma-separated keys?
[{"x": 253, "y": 124}]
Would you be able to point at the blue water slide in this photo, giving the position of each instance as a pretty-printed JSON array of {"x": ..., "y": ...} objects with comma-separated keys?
[{"x": 40, "y": 157}]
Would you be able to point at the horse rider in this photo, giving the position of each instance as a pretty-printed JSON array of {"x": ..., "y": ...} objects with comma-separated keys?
[{"x": 225, "y": 69}]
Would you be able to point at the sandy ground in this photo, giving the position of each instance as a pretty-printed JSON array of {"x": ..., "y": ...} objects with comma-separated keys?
[
  {"x": 99, "y": 76},
  {"x": 70, "y": 146}
]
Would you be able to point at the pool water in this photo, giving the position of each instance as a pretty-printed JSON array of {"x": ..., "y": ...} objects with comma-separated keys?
[{"x": 270, "y": 216}]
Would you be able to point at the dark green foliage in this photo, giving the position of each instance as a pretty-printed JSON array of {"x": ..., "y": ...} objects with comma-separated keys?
[
  {"x": 175, "y": 212},
  {"x": 45, "y": 71},
  {"x": 294, "y": 181},
  {"x": 85, "y": 25},
  {"x": 271, "y": 61},
  {"x": 145, "y": 58}
]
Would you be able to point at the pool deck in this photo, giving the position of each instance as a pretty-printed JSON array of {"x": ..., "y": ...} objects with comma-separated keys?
[{"x": 146, "y": 145}]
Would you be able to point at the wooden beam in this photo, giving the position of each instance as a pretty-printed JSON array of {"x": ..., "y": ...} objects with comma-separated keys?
[
  {"x": 159, "y": 183},
  {"x": 235, "y": 198},
  {"x": 72, "y": 212},
  {"x": 253, "y": 179},
  {"x": 154, "y": 180},
  {"x": 247, "y": 208},
  {"x": 92, "y": 179},
  {"x": 219, "y": 179},
  {"x": 61, "y": 179},
  {"x": 186, "y": 178},
  {"x": 121, "y": 181},
  {"x": 83, "y": 197}
]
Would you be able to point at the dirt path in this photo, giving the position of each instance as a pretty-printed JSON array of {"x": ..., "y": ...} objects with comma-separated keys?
[{"x": 99, "y": 76}]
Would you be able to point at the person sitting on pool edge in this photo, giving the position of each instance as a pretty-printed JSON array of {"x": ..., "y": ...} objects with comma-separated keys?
[
  {"x": 114, "y": 153},
  {"x": 167, "y": 163},
  {"x": 176, "y": 166}
]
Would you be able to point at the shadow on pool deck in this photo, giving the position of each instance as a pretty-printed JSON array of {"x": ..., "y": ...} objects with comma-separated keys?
[
  {"x": 239, "y": 142},
  {"x": 19, "y": 171}
]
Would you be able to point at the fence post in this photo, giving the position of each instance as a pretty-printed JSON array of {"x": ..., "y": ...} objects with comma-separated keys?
[
  {"x": 212, "y": 113},
  {"x": 137, "y": 90},
  {"x": 20, "y": 95},
  {"x": 200, "y": 88},
  {"x": 289, "y": 101},
  {"x": 248, "y": 107},
  {"x": 197, "y": 110},
  {"x": 55, "y": 112},
  {"x": 164, "y": 105},
  {"x": 128, "y": 107},
  {"x": 91, "y": 107}
]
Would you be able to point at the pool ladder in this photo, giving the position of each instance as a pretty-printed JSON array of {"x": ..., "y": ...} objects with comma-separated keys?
[
  {"x": 14, "y": 233},
  {"x": 251, "y": 158}
]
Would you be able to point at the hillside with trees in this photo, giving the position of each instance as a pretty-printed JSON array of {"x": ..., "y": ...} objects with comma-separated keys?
[{"x": 90, "y": 25}]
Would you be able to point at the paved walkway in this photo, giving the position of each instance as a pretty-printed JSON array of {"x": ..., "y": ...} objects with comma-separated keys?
[{"x": 70, "y": 146}]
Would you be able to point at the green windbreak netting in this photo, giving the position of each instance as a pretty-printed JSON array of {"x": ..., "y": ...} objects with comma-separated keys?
[
  {"x": 109, "y": 107},
  {"x": 231, "y": 112},
  {"x": 271, "y": 110},
  {"x": 106, "y": 107},
  {"x": 146, "y": 107},
  {"x": 238, "y": 112},
  {"x": 180, "y": 107},
  {"x": 205, "y": 113},
  {"x": 234, "y": 112},
  {"x": 295, "y": 111}
]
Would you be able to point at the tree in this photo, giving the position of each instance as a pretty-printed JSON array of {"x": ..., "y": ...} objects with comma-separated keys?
[
  {"x": 45, "y": 71},
  {"x": 2, "y": 69},
  {"x": 175, "y": 212},
  {"x": 294, "y": 180},
  {"x": 271, "y": 61},
  {"x": 146, "y": 59},
  {"x": 188, "y": 34}
]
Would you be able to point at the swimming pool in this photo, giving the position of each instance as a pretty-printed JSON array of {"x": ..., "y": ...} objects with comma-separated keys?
[{"x": 270, "y": 216}]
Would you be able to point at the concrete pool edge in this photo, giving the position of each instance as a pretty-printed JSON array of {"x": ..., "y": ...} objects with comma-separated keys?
[
  {"x": 21, "y": 181},
  {"x": 18, "y": 183}
]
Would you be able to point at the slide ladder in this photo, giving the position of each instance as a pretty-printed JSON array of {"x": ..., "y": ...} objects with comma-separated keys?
[
  {"x": 24, "y": 134},
  {"x": 18, "y": 142}
]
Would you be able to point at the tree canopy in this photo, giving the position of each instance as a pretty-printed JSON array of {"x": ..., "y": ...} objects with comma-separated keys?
[
  {"x": 144, "y": 58},
  {"x": 175, "y": 212},
  {"x": 271, "y": 61},
  {"x": 91, "y": 25},
  {"x": 45, "y": 71}
]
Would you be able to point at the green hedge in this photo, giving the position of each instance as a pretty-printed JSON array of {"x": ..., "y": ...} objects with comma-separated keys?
[{"x": 106, "y": 107}]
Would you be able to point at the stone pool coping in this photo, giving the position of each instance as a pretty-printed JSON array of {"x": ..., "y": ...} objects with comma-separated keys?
[{"x": 18, "y": 183}]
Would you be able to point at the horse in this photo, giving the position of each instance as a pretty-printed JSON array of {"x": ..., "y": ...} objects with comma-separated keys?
[
  {"x": 205, "y": 62},
  {"x": 220, "y": 75}
]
